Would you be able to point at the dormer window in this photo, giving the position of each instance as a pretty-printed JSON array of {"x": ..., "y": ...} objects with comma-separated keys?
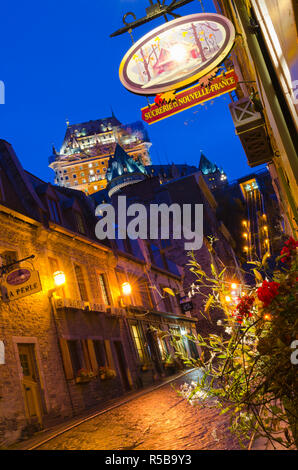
[
  {"x": 80, "y": 222},
  {"x": 54, "y": 211}
]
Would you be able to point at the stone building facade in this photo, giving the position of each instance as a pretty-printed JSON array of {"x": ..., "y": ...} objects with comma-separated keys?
[
  {"x": 68, "y": 348},
  {"x": 190, "y": 189}
]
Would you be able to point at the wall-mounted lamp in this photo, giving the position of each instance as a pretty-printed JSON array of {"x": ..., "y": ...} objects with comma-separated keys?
[
  {"x": 126, "y": 288},
  {"x": 59, "y": 278}
]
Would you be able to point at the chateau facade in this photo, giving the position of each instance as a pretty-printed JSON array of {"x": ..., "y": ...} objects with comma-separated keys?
[{"x": 82, "y": 161}]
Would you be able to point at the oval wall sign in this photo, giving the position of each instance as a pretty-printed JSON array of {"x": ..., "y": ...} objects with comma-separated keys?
[
  {"x": 177, "y": 53},
  {"x": 19, "y": 276}
]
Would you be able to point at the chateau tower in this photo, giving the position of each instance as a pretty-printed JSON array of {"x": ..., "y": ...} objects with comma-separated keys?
[{"x": 83, "y": 159}]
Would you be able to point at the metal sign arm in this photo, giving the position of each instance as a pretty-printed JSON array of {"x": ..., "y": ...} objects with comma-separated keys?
[{"x": 154, "y": 10}]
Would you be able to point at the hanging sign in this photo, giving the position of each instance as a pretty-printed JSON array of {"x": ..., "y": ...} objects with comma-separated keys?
[
  {"x": 191, "y": 97},
  {"x": 177, "y": 53},
  {"x": 20, "y": 283},
  {"x": 186, "y": 304}
]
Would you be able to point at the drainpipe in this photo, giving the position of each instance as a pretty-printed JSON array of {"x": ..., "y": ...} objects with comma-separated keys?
[{"x": 265, "y": 78}]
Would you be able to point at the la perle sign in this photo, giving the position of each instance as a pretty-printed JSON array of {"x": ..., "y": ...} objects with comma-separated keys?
[
  {"x": 20, "y": 283},
  {"x": 177, "y": 53}
]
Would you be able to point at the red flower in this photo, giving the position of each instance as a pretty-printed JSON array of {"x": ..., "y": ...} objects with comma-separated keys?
[
  {"x": 243, "y": 308},
  {"x": 267, "y": 292},
  {"x": 289, "y": 250}
]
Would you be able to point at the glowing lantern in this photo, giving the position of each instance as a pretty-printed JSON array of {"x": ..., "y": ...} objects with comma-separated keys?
[
  {"x": 59, "y": 278},
  {"x": 126, "y": 288}
]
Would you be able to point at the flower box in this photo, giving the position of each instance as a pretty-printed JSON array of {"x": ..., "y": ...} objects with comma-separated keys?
[
  {"x": 106, "y": 374},
  {"x": 82, "y": 380}
]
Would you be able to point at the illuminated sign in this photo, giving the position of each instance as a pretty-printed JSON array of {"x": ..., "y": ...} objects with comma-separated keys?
[
  {"x": 20, "y": 283},
  {"x": 177, "y": 53},
  {"x": 191, "y": 97}
]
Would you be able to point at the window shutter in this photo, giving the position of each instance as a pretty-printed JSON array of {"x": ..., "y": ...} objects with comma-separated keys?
[
  {"x": 66, "y": 359},
  {"x": 92, "y": 356},
  {"x": 86, "y": 354},
  {"x": 109, "y": 354}
]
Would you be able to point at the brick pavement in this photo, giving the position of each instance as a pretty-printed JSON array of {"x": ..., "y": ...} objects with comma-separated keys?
[{"x": 158, "y": 420}]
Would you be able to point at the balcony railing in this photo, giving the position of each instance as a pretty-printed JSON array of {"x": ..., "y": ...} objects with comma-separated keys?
[
  {"x": 250, "y": 127},
  {"x": 79, "y": 305}
]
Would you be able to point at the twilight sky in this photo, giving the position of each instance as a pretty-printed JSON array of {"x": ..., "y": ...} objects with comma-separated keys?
[{"x": 58, "y": 62}]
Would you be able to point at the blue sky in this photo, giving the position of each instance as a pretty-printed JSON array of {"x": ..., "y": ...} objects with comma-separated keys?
[{"x": 57, "y": 62}]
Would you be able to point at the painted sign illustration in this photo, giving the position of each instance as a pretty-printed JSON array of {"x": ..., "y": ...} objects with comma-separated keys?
[{"x": 177, "y": 53}]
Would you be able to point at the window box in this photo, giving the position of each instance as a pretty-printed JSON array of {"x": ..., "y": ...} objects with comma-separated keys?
[
  {"x": 106, "y": 374},
  {"x": 82, "y": 380},
  {"x": 146, "y": 367},
  {"x": 84, "y": 376}
]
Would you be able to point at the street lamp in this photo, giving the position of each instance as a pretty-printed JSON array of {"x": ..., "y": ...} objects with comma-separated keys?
[
  {"x": 126, "y": 288},
  {"x": 59, "y": 278}
]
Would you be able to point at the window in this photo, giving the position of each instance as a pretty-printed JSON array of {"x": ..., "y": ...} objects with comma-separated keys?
[
  {"x": 104, "y": 289},
  {"x": 100, "y": 352},
  {"x": 81, "y": 282},
  {"x": 166, "y": 301},
  {"x": 54, "y": 265},
  {"x": 80, "y": 222},
  {"x": 163, "y": 347},
  {"x": 74, "y": 176},
  {"x": 76, "y": 362},
  {"x": 139, "y": 343},
  {"x": 145, "y": 293},
  {"x": 54, "y": 211}
]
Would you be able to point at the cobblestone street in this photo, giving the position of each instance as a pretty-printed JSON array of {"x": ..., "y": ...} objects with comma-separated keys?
[{"x": 158, "y": 420}]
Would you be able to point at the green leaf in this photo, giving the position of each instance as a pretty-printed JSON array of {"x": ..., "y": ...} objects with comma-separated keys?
[
  {"x": 222, "y": 273},
  {"x": 208, "y": 303},
  {"x": 258, "y": 276},
  {"x": 213, "y": 270},
  {"x": 265, "y": 257},
  {"x": 168, "y": 290}
]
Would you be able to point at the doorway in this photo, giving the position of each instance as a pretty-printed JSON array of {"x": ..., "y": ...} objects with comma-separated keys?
[
  {"x": 31, "y": 383},
  {"x": 122, "y": 364}
]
